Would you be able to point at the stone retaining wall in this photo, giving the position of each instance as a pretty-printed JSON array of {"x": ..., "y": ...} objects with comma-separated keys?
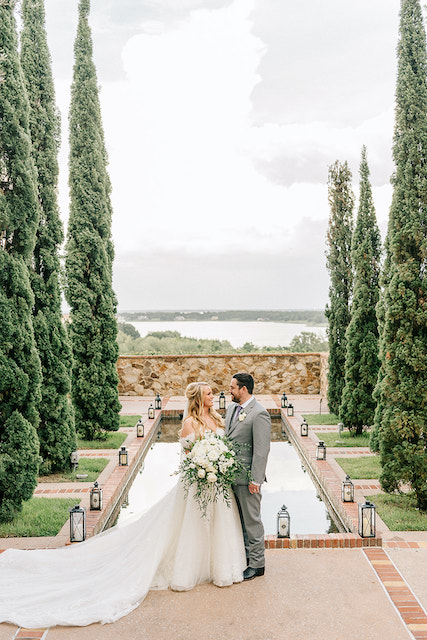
[{"x": 274, "y": 374}]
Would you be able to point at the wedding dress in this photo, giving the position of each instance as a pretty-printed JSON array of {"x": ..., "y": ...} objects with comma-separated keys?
[{"x": 104, "y": 578}]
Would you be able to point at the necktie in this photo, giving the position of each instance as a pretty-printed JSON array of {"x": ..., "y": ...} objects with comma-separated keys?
[{"x": 238, "y": 410}]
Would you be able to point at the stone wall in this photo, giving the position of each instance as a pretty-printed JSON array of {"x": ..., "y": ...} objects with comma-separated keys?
[{"x": 170, "y": 375}]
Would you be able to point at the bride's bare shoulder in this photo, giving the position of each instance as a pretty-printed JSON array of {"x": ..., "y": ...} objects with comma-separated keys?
[{"x": 187, "y": 427}]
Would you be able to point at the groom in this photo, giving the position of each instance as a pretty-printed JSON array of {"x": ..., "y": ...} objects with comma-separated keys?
[{"x": 247, "y": 423}]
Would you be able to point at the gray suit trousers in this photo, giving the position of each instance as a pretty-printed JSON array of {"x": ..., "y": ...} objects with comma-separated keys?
[{"x": 249, "y": 505}]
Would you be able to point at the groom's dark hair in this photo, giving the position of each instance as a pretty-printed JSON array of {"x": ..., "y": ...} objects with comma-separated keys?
[{"x": 244, "y": 380}]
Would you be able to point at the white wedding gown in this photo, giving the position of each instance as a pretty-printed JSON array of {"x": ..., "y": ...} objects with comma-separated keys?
[{"x": 107, "y": 576}]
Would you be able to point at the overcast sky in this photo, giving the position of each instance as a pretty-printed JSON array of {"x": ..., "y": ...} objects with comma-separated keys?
[{"x": 221, "y": 119}]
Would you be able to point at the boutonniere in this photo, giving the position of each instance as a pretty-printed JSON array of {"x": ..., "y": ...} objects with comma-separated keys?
[{"x": 242, "y": 416}]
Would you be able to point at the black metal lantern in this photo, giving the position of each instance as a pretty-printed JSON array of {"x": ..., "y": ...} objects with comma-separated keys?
[
  {"x": 340, "y": 428},
  {"x": 222, "y": 401},
  {"x": 123, "y": 457},
  {"x": 77, "y": 524},
  {"x": 290, "y": 409},
  {"x": 140, "y": 429},
  {"x": 284, "y": 401},
  {"x": 158, "y": 402},
  {"x": 96, "y": 498},
  {"x": 321, "y": 451},
  {"x": 347, "y": 490},
  {"x": 151, "y": 413},
  {"x": 304, "y": 428},
  {"x": 367, "y": 520},
  {"x": 283, "y": 523},
  {"x": 74, "y": 456}
]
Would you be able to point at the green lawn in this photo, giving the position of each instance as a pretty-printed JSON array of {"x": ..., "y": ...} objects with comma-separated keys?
[
  {"x": 114, "y": 440},
  {"x": 399, "y": 512},
  {"x": 91, "y": 466},
  {"x": 39, "y": 517},
  {"x": 321, "y": 418},
  {"x": 347, "y": 439},
  {"x": 363, "y": 467},
  {"x": 129, "y": 421}
]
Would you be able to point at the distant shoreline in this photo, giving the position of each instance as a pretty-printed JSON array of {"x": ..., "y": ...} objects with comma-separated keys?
[{"x": 308, "y": 317}]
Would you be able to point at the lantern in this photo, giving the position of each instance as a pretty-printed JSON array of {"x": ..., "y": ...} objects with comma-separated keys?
[
  {"x": 290, "y": 410},
  {"x": 96, "y": 498},
  {"x": 283, "y": 523},
  {"x": 347, "y": 490},
  {"x": 151, "y": 413},
  {"x": 158, "y": 402},
  {"x": 140, "y": 429},
  {"x": 367, "y": 520},
  {"x": 321, "y": 451},
  {"x": 304, "y": 428},
  {"x": 284, "y": 401},
  {"x": 340, "y": 428},
  {"x": 123, "y": 457},
  {"x": 222, "y": 401},
  {"x": 74, "y": 459},
  {"x": 77, "y": 524}
]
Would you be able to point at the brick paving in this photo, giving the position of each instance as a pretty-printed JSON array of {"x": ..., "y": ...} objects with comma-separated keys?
[{"x": 395, "y": 597}]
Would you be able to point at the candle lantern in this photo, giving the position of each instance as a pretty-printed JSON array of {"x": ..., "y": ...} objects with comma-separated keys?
[
  {"x": 151, "y": 413},
  {"x": 222, "y": 401},
  {"x": 74, "y": 456},
  {"x": 321, "y": 451},
  {"x": 283, "y": 523},
  {"x": 340, "y": 428},
  {"x": 96, "y": 498},
  {"x": 304, "y": 428},
  {"x": 284, "y": 401},
  {"x": 347, "y": 490},
  {"x": 367, "y": 520},
  {"x": 290, "y": 409},
  {"x": 77, "y": 524},
  {"x": 123, "y": 457},
  {"x": 158, "y": 402},
  {"x": 140, "y": 429}
]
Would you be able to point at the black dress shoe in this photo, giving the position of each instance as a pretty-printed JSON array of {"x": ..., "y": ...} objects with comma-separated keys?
[{"x": 250, "y": 573}]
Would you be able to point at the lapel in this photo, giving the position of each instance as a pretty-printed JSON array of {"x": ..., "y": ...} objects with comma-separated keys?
[
  {"x": 232, "y": 425},
  {"x": 229, "y": 417}
]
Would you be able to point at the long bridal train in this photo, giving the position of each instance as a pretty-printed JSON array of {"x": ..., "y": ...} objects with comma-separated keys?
[{"x": 107, "y": 576}]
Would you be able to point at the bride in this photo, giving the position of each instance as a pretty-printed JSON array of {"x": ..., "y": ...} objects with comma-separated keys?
[{"x": 107, "y": 576}]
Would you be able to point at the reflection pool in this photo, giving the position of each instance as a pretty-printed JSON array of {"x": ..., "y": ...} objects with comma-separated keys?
[{"x": 287, "y": 483}]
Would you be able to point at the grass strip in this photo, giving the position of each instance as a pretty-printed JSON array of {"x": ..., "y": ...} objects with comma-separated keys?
[
  {"x": 114, "y": 440},
  {"x": 321, "y": 418},
  {"x": 90, "y": 466},
  {"x": 362, "y": 468},
  {"x": 346, "y": 439},
  {"x": 39, "y": 517},
  {"x": 399, "y": 511}
]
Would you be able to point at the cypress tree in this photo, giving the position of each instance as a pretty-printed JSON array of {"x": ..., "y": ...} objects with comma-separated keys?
[
  {"x": 338, "y": 255},
  {"x": 402, "y": 387},
  {"x": 20, "y": 373},
  {"x": 56, "y": 429},
  {"x": 361, "y": 364},
  {"x": 93, "y": 326}
]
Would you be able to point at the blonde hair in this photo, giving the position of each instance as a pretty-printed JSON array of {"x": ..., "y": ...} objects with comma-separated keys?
[{"x": 194, "y": 394}]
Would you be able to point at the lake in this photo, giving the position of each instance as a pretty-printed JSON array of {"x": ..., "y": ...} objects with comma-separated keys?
[{"x": 261, "y": 334}]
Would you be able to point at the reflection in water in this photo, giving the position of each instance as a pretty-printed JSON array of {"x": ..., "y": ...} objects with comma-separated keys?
[{"x": 287, "y": 483}]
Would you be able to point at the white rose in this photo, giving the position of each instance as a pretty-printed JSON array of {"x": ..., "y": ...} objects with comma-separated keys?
[
  {"x": 192, "y": 465},
  {"x": 211, "y": 477},
  {"x": 201, "y": 473}
]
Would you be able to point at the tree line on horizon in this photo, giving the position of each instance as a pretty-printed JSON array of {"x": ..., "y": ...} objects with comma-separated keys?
[
  {"x": 377, "y": 314},
  {"x": 54, "y": 383}
]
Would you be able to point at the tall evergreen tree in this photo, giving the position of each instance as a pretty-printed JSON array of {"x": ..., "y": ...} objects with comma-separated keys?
[
  {"x": 361, "y": 364},
  {"x": 341, "y": 202},
  {"x": 93, "y": 327},
  {"x": 56, "y": 429},
  {"x": 20, "y": 373},
  {"x": 402, "y": 387}
]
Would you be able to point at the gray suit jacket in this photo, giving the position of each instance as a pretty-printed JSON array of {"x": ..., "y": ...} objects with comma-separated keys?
[{"x": 254, "y": 431}]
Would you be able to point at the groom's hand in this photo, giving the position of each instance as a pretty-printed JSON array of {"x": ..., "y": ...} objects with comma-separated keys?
[{"x": 253, "y": 488}]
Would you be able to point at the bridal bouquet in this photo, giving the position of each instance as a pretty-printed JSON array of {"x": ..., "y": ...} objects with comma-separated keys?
[{"x": 210, "y": 466}]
